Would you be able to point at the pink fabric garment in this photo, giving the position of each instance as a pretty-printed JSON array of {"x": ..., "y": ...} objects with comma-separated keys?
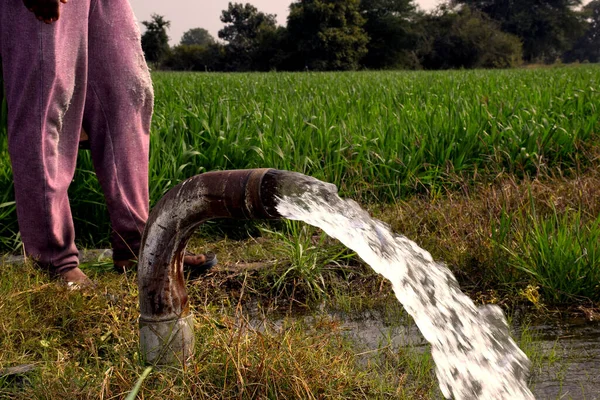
[{"x": 87, "y": 69}]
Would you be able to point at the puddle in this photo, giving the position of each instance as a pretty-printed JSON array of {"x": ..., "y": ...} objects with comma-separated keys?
[{"x": 570, "y": 361}]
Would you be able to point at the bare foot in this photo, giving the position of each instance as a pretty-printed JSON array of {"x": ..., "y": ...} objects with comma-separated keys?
[
  {"x": 193, "y": 260},
  {"x": 76, "y": 279},
  {"x": 190, "y": 261},
  {"x": 123, "y": 266}
]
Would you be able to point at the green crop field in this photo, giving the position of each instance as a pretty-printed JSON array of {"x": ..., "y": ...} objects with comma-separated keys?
[{"x": 377, "y": 135}]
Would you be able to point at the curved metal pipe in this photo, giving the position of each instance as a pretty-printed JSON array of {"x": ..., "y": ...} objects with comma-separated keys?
[{"x": 166, "y": 323}]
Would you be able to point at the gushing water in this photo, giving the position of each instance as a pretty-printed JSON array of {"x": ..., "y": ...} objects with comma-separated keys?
[{"x": 474, "y": 354}]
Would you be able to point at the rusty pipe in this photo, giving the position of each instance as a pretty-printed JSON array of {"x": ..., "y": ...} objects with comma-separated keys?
[{"x": 166, "y": 323}]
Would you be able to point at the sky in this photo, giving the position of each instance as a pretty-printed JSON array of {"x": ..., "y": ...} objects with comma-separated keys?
[{"x": 188, "y": 14}]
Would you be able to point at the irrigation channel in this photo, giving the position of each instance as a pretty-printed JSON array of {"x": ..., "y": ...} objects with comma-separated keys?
[
  {"x": 474, "y": 353},
  {"x": 575, "y": 345}
]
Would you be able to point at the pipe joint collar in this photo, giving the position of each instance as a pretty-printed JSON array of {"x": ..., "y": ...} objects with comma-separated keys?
[{"x": 168, "y": 342}]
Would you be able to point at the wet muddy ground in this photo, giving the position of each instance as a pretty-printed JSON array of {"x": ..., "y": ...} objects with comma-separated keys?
[
  {"x": 570, "y": 367},
  {"x": 565, "y": 353}
]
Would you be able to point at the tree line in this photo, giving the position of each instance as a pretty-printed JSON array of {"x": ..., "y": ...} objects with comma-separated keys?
[{"x": 384, "y": 34}]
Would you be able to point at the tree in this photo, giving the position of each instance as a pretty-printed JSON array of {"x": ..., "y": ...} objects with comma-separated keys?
[
  {"x": 328, "y": 34},
  {"x": 244, "y": 31},
  {"x": 195, "y": 58},
  {"x": 390, "y": 27},
  {"x": 272, "y": 50},
  {"x": 155, "y": 41},
  {"x": 466, "y": 39},
  {"x": 546, "y": 27},
  {"x": 587, "y": 48},
  {"x": 197, "y": 36}
]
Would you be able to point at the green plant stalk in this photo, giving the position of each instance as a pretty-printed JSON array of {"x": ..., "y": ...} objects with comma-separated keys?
[{"x": 138, "y": 385}]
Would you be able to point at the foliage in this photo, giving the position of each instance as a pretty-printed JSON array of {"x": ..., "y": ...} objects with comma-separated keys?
[
  {"x": 9, "y": 237},
  {"x": 272, "y": 51},
  {"x": 388, "y": 34},
  {"x": 328, "y": 34},
  {"x": 197, "y": 36},
  {"x": 195, "y": 58},
  {"x": 245, "y": 30},
  {"x": 305, "y": 269},
  {"x": 391, "y": 27},
  {"x": 466, "y": 39},
  {"x": 546, "y": 27},
  {"x": 587, "y": 48},
  {"x": 561, "y": 255},
  {"x": 138, "y": 385},
  {"x": 307, "y": 254},
  {"x": 155, "y": 41}
]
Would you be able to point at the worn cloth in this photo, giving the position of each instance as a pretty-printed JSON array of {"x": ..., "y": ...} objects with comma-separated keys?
[{"x": 86, "y": 69}]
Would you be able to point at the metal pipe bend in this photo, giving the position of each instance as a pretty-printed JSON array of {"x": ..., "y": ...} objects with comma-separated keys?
[{"x": 166, "y": 323}]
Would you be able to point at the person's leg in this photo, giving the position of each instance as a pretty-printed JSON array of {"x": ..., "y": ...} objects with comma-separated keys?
[
  {"x": 117, "y": 119},
  {"x": 44, "y": 66}
]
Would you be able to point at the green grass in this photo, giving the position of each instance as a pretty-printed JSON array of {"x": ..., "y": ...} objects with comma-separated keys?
[
  {"x": 308, "y": 255},
  {"x": 494, "y": 172},
  {"x": 375, "y": 134},
  {"x": 85, "y": 345},
  {"x": 561, "y": 254}
]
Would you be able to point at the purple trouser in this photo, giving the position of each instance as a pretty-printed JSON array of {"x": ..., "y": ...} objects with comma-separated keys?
[{"x": 87, "y": 69}]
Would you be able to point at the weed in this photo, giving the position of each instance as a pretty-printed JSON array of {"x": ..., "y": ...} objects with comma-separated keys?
[
  {"x": 84, "y": 345},
  {"x": 307, "y": 256},
  {"x": 561, "y": 254}
]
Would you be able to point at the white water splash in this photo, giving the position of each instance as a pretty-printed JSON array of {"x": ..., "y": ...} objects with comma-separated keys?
[{"x": 474, "y": 354}]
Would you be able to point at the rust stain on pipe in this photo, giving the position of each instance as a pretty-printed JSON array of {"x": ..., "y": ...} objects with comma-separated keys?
[
  {"x": 222, "y": 194},
  {"x": 166, "y": 323},
  {"x": 165, "y": 320}
]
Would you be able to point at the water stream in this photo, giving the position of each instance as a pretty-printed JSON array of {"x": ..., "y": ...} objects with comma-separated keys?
[{"x": 474, "y": 354}]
